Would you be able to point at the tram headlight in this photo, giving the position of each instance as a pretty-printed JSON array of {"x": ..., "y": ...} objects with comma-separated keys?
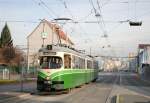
[{"x": 47, "y": 78}]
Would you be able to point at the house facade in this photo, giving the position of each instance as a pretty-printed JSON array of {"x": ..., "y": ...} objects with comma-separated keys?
[
  {"x": 144, "y": 60},
  {"x": 45, "y": 33}
]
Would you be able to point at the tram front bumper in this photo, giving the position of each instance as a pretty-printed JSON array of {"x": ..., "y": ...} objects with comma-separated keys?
[
  {"x": 44, "y": 85},
  {"x": 47, "y": 82}
]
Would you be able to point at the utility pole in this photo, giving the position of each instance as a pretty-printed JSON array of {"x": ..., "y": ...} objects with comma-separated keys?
[
  {"x": 43, "y": 34},
  {"x": 90, "y": 50},
  {"x": 23, "y": 64}
]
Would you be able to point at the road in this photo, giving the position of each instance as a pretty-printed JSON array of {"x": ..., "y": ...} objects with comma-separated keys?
[{"x": 103, "y": 90}]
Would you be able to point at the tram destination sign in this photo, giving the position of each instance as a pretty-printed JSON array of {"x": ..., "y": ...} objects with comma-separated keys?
[{"x": 49, "y": 53}]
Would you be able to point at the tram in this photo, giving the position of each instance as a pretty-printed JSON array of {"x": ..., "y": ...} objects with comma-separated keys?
[{"x": 62, "y": 67}]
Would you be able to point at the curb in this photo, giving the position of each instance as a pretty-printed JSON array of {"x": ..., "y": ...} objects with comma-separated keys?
[
  {"x": 118, "y": 98},
  {"x": 145, "y": 80},
  {"x": 16, "y": 82}
]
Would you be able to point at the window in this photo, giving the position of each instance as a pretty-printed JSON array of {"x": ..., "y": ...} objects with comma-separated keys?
[
  {"x": 78, "y": 63},
  {"x": 89, "y": 64},
  {"x": 67, "y": 61},
  {"x": 81, "y": 63},
  {"x": 50, "y": 62},
  {"x": 73, "y": 62},
  {"x": 96, "y": 65}
]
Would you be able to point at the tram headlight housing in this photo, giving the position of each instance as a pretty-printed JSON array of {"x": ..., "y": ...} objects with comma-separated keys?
[
  {"x": 49, "y": 47},
  {"x": 47, "y": 78}
]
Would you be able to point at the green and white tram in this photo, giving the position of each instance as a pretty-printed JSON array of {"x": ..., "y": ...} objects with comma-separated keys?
[{"x": 64, "y": 68}]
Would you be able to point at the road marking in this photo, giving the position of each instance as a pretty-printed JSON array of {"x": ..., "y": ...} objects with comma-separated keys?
[
  {"x": 108, "y": 100},
  {"x": 118, "y": 98}
]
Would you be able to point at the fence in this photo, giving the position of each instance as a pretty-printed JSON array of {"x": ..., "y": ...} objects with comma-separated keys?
[{"x": 15, "y": 74}]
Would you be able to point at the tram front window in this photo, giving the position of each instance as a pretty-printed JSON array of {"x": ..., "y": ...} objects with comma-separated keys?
[{"x": 51, "y": 62}]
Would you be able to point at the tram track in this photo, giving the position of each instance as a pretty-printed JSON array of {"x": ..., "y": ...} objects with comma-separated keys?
[
  {"x": 97, "y": 92},
  {"x": 110, "y": 96}
]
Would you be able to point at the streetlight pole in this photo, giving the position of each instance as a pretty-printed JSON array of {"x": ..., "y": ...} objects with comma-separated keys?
[
  {"x": 22, "y": 66},
  {"x": 21, "y": 80},
  {"x": 43, "y": 34}
]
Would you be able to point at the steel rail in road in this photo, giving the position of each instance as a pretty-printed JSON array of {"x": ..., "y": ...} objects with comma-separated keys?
[{"x": 109, "y": 97}]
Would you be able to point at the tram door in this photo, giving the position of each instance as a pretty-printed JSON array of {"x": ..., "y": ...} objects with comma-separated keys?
[
  {"x": 67, "y": 61},
  {"x": 67, "y": 65}
]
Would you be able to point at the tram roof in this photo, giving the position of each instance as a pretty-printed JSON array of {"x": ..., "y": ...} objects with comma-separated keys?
[{"x": 66, "y": 49}]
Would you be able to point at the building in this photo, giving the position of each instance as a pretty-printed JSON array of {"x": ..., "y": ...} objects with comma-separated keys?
[
  {"x": 132, "y": 62},
  {"x": 144, "y": 54},
  {"x": 45, "y": 33},
  {"x": 144, "y": 60}
]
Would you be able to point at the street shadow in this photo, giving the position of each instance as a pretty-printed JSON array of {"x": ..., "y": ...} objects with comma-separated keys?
[
  {"x": 113, "y": 99},
  {"x": 107, "y": 79},
  {"x": 4, "y": 98},
  {"x": 50, "y": 93},
  {"x": 142, "y": 102},
  {"x": 123, "y": 80},
  {"x": 134, "y": 81}
]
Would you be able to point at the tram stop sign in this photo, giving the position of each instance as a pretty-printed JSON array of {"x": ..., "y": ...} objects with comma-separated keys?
[{"x": 44, "y": 35}]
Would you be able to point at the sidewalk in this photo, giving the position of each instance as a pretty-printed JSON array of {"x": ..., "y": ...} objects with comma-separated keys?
[
  {"x": 2, "y": 82},
  {"x": 132, "y": 99},
  {"x": 145, "y": 80}
]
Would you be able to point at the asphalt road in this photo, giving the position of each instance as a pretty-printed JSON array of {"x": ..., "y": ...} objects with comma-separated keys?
[
  {"x": 17, "y": 87},
  {"x": 103, "y": 90}
]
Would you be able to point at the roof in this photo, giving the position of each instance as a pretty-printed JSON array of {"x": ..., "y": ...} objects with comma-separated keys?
[
  {"x": 142, "y": 46},
  {"x": 62, "y": 48},
  {"x": 56, "y": 28}
]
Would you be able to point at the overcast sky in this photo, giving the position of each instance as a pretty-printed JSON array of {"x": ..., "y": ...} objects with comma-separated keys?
[{"x": 122, "y": 38}]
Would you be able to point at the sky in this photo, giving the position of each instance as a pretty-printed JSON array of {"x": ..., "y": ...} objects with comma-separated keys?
[{"x": 22, "y": 16}]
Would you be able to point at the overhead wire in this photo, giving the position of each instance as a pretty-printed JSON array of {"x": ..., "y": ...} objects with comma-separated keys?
[
  {"x": 42, "y": 2},
  {"x": 100, "y": 13},
  {"x": 72, "y": 16},
  {"x": 91, "y": 2},
  {"x": 107, "y": 2},
  {"x": 101, "y": 17},
  {"x": 85, "y": 17},
  {"x": 71, "y": 22},
  {"x": 135, "y": 10},
  {"x": 104, "y": 26},
  {"x": 66, "y": 7},
  {"x": 95, "y": 11},
  {"x": 98, "y": 17},
  {"x": 48, "y": 10},
  {"x": 19, "y": 21}
]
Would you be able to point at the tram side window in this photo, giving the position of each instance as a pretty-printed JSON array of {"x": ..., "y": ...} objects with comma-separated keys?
[
  {"x": 89, "y": 64},
  {"x": 75, "y": 62},
  {"x": 81, "y": 63},
  {"x": 67, "y": 61},
  {"x": 78, "y": 63},
  {"x": 96, "y": 65}
]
